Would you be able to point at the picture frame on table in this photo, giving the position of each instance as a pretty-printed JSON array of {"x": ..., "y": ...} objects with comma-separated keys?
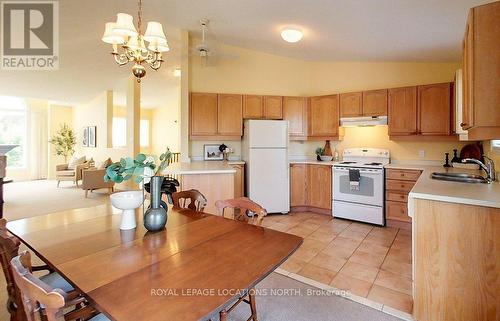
[{"x": 211, "y": 152}]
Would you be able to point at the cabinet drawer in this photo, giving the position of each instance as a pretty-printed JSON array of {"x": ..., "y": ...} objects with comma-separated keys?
[
  {"x": 397, "y": 211},
  {"x": 396, "y": 196},
  {"x": 400, "y": 186},
  {"x": 402, "y": 174}
]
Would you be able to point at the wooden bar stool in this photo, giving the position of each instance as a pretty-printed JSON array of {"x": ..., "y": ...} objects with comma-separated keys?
[{"x": 191, "y": 199}]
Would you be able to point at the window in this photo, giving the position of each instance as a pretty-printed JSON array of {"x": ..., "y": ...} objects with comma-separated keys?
[
  {"x": 13, "y": 129},
  {"x": 119, "y": 138},
  {"x": 144, "y": 133},
  {"x": 495, "y": 145}
]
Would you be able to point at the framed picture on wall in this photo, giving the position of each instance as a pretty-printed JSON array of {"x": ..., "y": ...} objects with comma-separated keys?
[
  {"x": 92, "y": 139},
  {"x": 212, "y": 152},
  {"x": 85, "y": 139}
]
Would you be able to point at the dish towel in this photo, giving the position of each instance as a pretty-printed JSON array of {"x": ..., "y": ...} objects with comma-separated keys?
[{"x": 354, "y": 177}]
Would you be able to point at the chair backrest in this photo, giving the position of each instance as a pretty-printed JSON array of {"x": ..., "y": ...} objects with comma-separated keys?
[
  {"x": 192, "y": 199},
  {"x": 34, "y": 292},
  {"x": 9, "y": 248},
  {"x": 249, "y": 211}
]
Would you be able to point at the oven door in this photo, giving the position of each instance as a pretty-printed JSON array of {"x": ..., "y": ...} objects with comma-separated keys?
[{"x": 371, "y": 186}]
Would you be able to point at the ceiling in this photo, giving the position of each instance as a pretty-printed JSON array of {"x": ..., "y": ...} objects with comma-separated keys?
[{"x": 335, "y": 30}]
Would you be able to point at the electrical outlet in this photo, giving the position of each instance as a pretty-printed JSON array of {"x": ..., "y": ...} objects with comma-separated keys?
[{"x": 421, "y": 153}]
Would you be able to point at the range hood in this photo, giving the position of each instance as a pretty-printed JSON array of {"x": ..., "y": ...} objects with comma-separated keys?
[{"x": 363, "y": 121}]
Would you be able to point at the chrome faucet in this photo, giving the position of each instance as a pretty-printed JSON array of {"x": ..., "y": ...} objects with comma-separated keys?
[{"x": 489, "y": 167}]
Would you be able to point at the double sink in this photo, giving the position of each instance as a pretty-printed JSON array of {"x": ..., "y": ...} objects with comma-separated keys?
[{"x": 459, "y": 177}]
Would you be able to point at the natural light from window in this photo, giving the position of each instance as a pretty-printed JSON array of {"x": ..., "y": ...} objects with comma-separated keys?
[
  {"x": 119, "y": 138},
  {"x": 495, "y": 145},
  {"x": 13, "y": 129}
]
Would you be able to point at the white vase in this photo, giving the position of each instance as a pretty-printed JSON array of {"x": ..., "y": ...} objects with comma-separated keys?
[{"x": 127, "y": 201}]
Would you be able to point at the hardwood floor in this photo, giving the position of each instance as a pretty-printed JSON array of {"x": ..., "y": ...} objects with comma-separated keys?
[{"x": 369, "y": 261}]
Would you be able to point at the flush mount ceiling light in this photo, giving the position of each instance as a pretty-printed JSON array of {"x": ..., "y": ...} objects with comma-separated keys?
[
  {"x": 291, "y": 35},
  {"x": 133, "y": 44}
]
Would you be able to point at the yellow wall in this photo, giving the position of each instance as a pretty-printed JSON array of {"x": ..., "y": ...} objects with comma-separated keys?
[
  {"x": 147, "y": 114},
  {"x": 57, "y": 116},
  {"x": 261, "y": 73},
  {"x": 94, "y": 113}
]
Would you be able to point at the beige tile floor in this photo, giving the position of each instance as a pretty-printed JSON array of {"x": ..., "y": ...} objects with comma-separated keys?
[{"x": 369, "y": 261}]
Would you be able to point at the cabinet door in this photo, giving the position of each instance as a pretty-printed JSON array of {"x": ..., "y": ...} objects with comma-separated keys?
[
  {"x": 295, "y": 111},
  {"x": 239, "y": 181},
  {"x": 253, "y": 107},
  {"x": 203, "y": 114},
  {"x": 298, "y": 184},
  {"x": 350, "y": 104},
  {"x": 230, "y": 115},
  {"x": 467, "y": 94},
  {"x": 319, "y": 185},
  {"x": 273, "y": 107},
  {"x": 402, "y": 111},
  {"x": 375, "y": 102},
  {"x": 324, "y": 116},
  {"x": 434, "y": 103}
]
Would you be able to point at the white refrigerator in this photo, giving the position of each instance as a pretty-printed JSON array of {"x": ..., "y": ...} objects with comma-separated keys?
[{"x": 265, "y": 152}]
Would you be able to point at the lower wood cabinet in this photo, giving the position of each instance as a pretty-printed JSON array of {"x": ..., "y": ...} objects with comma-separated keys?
[
  {"x": 311, "y": 187},
  {"x": 398, "y": 184},
  {"x": 239, "y": 180}
]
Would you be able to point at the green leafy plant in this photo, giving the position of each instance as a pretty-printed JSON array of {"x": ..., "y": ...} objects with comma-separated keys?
[
  {"x": 319, "y": 151},
  {"x": 134, "y": 168},
  {"x": 64, "y": 141}
]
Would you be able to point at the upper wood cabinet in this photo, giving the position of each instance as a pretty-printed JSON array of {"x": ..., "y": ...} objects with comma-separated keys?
[
  {"x": 298, "y": 184},
  {"x": 324, "y": 117},
  {"x": 230, "y": 115},
  {"x": 253, "y": 107},
  {"x": 375, "y": 102},
  {"x": 273, "y": 107},
  {"x": 203, "y": 114},
  {"x": 262, "y": 107},
  {"x": 481, "y": 83},
  {"x": 402, "y": 118},
  {"x": 434, "y": 105},
  {"x": 351, "y": 104},
  {"x": 295, "y": 111},
  {"x": 215, "y": 116}
]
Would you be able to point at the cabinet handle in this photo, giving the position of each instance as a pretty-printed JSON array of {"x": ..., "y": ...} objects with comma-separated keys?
[{"x": 463, "y": 124}]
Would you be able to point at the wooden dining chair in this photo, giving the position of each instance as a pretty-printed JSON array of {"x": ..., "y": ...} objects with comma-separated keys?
[
  {"x": 249, "y": 211},
  {"x": 244, "y": 210},
  {"x": 9, "y": 248},
  {"x": 43, "y": 302},
  {"x": 192, "y": 199}
]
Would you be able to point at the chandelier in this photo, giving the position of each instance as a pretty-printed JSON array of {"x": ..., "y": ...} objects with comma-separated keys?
[{"x": 123, "y": 35}]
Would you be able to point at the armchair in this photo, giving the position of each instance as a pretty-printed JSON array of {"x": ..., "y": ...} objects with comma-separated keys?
[
  {"x": 93, "y": 178},
  {"x": 63, "y": 173}
]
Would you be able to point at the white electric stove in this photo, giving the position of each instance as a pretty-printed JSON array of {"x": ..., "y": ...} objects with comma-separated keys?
[{"x": 365, "y": 202}]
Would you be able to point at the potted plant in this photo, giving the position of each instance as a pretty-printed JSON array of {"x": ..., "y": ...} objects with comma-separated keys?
[
  {"x": 138, "y": 169},
  {"x": 64, "y": 141},
  {"x": 319, "y": 152}
]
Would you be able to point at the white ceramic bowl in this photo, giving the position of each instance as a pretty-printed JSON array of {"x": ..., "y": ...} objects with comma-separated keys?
[
  {"x": 127, "y": 201},
  {"x": 326, "y": 158}
]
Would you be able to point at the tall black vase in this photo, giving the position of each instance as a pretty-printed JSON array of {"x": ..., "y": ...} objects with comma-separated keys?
[{"x": 155, "y": 217}]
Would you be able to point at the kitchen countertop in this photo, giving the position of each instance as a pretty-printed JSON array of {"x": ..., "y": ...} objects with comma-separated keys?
[
  {"x": 201, "y": 167},
  {"x": 487, "y": 195},
  {"x": 312, "y": 161}
]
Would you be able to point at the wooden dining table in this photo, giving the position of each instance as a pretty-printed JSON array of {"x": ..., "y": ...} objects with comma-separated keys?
[{"x": 188, "y": 271}]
